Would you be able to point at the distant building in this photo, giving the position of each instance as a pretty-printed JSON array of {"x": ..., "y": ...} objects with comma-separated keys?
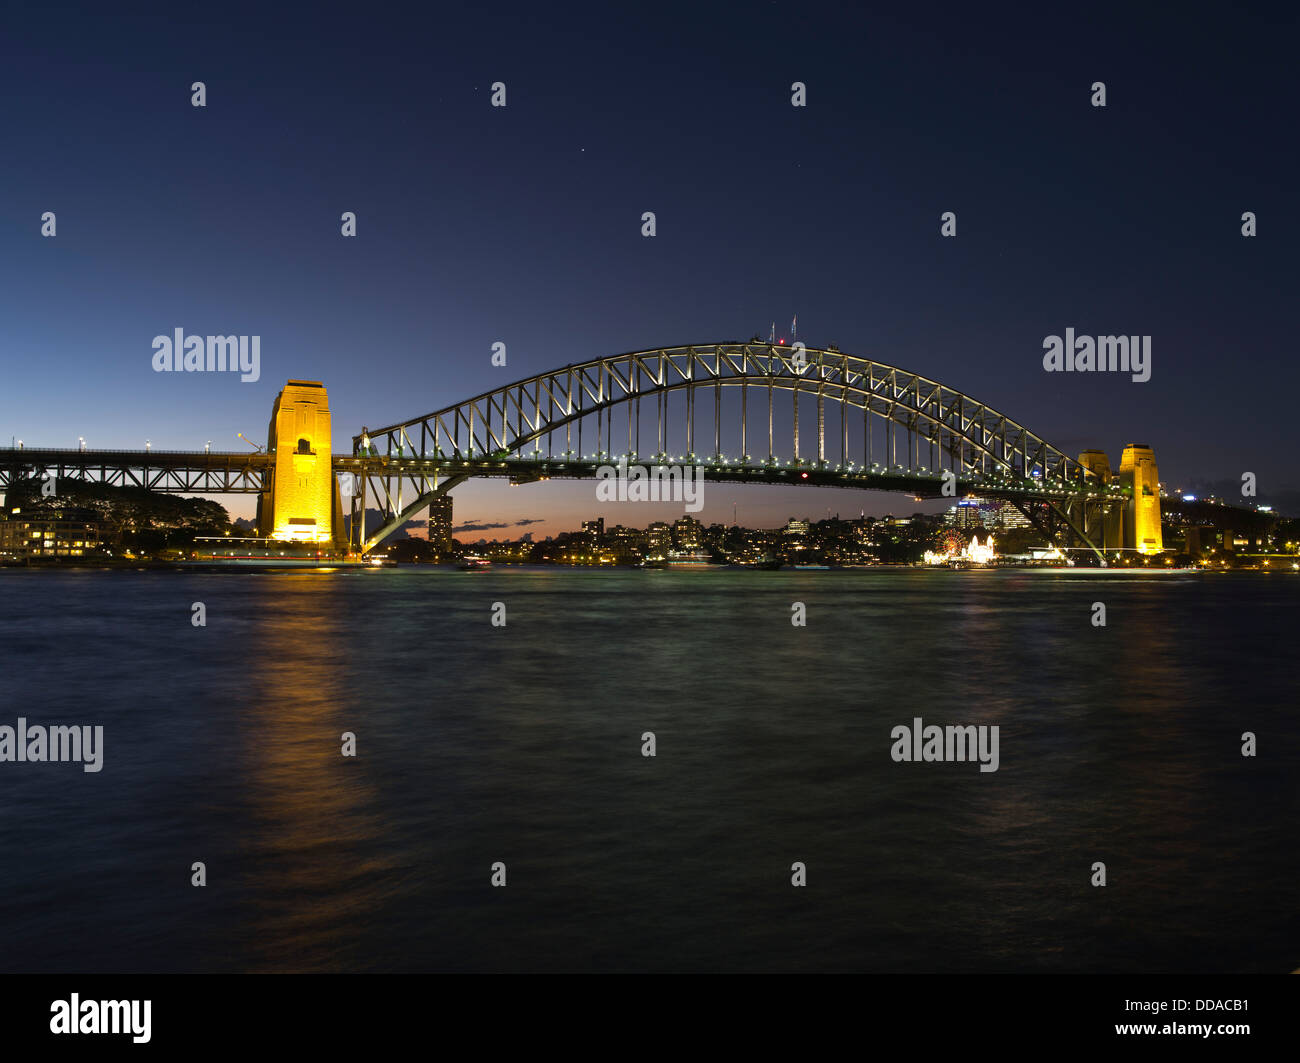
[
  {"x": 795, "y": 527},
  {"x": 594, "y": 527},
  {"x": 688, "y": 533},
  {"x": 659, "y": 539},
  {"x": 440, "y": 524},
  {"x": 619, "y": 535},
  {"x": 1007, "y": 516},
  {"x": 966, "y": 514}
]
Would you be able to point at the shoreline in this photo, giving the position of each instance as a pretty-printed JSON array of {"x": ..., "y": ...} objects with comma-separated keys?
[{"x": 452, "y": 566}]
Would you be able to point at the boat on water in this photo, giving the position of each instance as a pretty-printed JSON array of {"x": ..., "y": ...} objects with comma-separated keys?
[
  {"x": 474, "y": 563},
  {"x": 688, "y": 559},
  {"x": 228, "y": 552}
]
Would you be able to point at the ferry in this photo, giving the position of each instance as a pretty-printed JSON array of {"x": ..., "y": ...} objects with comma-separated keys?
[
  {"x": 474, "y": 563},
  {"x": 692, "y": 559},
  {"x": 228, "y": 552}
]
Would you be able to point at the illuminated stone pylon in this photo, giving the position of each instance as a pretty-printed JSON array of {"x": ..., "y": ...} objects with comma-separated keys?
[
  {"x": 1134, "y": 525},
  {"x": 1137, "y": 469},
  {"x": 1103, "y": 525},
  {"x": 300, "y": 503}
]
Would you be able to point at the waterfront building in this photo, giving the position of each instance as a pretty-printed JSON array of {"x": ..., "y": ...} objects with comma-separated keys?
[{"x": 53, "y": 533}]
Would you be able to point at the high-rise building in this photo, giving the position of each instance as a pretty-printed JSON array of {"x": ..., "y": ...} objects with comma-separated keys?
[
  {"x": 1006, "y": 515},
  {"x": 440, "y": 524},
  {"x": 965, "y": 514}
]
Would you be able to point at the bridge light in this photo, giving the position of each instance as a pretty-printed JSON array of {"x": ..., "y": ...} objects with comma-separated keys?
[{"x": 148, "y": 445}]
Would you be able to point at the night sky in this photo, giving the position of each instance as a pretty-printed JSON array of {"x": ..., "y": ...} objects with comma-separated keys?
[{"x": 523, "y": 224}]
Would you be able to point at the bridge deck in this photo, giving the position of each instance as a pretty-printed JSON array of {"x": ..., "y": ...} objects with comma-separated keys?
[{"x": 233, "y": 472}]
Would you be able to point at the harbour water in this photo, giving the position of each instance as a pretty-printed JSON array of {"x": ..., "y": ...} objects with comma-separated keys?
[{"x": 523, "y": 744}]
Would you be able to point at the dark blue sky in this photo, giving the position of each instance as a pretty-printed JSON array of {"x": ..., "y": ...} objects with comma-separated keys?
[{"x": 478, "y": 224}]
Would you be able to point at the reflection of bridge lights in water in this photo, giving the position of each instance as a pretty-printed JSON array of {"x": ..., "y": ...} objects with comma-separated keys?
[{"x": 309, "y": 852}]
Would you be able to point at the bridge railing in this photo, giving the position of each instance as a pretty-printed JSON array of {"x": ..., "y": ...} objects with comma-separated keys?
[{"x": 105, "y": 452}]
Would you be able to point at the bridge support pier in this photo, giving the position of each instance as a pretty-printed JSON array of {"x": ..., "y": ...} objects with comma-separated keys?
[{"x": 300, "y": 500}]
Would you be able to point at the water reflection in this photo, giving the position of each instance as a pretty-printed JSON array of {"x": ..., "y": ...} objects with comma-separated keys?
[{"x": 317, "y": 863}]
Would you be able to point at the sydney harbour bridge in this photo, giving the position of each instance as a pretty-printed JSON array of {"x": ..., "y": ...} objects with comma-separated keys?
[{"x": 742, "y": 412}]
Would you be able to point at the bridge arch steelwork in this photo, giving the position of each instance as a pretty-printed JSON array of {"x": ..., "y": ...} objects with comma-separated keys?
[{"x": 501, "y": 431}]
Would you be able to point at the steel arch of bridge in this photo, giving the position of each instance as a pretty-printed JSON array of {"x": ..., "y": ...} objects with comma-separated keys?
[{"x": 982, "y": 447}]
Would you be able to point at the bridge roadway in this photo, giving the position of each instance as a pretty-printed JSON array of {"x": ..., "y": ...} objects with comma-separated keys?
[{"x": 233, "y": 472}]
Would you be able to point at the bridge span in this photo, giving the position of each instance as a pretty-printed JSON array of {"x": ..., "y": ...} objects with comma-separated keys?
[{"x": 770, "y": 414}]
